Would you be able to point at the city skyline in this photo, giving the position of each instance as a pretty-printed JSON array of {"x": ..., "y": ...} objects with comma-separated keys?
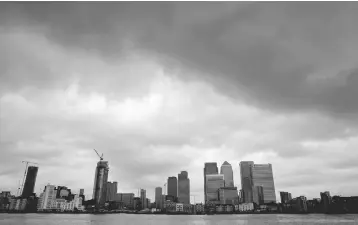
[
  {"x": 160, "y": 88},
  {"x": 260, "y": 176}
]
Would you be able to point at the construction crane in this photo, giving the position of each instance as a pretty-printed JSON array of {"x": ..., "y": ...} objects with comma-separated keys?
[
  {"x": 21, "y": 188},
  {"x": 165, "y": 188},
  {"x": 100, "y": 156}
]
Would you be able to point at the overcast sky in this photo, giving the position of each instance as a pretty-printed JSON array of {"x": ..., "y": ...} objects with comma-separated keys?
[{"x": 164, "y": 87}]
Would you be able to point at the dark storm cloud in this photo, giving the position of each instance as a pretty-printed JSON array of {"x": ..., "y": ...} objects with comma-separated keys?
[
  {"x": 77, "y": 76},
  {"x": 274, "y": 50}
]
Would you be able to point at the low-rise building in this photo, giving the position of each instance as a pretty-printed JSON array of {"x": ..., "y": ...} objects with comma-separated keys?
[
  {"x": 199, "y": 208},
  {"x": 245, "y": 207},
  {"x": 170, "y": 206},
  {"x": 179, "y": 207}
]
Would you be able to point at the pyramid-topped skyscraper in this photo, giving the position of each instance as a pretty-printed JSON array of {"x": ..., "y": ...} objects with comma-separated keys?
[{"x": 226, "y": 170}]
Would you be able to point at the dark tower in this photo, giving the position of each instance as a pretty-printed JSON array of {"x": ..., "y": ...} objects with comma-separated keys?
[
  {"x": 173, "y": 186},
  {"x": 30, "y": 181},
  {"x": 100, "y": 183}
]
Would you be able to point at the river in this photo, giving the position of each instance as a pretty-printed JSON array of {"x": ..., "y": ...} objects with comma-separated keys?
[{"x": 130, "y": 219}]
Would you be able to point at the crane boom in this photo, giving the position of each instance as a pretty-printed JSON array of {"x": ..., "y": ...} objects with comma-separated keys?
[{"x": 100, "y": 156}]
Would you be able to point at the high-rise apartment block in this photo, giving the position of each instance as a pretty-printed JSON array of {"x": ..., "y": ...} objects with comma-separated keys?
[
  {"x": 183, "y": 188},
  {"x": 209, "y": 169},
  {"x": 226, "y": 170},
  {"x": 30, "y": 181},
  {"x": 47, "y": 197},
  {"x": 100, "y": 183}
]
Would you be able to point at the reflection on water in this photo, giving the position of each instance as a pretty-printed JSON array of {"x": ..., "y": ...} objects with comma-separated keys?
[{"x": 126, "y": 219}]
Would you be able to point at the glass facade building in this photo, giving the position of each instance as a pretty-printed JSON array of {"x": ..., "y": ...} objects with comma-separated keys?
[
  {"x": 257, "y": 183},
  {"x": 262, "y": 176},
  {"x": 173, "y": 186},
  {"x": 100, "y": 183},
  {"x": 111, "y": 191},
  {"x": 213, "y": 183},
  {"x": 246, "y": 181},
  {"x": 158, "y": 197},
  {"x": 183, "y": 188},
  {"x": 209, "y": 168}
]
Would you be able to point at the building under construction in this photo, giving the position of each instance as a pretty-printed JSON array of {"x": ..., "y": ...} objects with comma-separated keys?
[{"x": 100, "y": 183}]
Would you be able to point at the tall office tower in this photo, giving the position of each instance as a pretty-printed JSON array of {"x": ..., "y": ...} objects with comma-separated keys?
[
  {"x": 143, "y": 198},
  {"x": 246, "y": 181},
  {"x": 262, "y": 176},
  {"x": 226, "y": 170},
  {"x": 111, "y": 191},
  {"x": 30, "y": 181},
  {"x": 173, "y": 186},
  {"x": 100, "y": 183},
  {"x": 47, "y": 197},
  {"x": 213, "y": 183},
  {"x": 209, "y": 168},
  {"x": 82, "y": 191},
  {"x": 183, "y": 188},
  {"x": 158, "y": 197},
  {"x": 285, "y": 196}
]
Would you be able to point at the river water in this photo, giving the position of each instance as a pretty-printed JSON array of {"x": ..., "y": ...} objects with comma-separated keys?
[{"x": 129, "y": 219}]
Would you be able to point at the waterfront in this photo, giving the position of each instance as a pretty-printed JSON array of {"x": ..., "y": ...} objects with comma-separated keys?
[{"x": 127, "y": 219}]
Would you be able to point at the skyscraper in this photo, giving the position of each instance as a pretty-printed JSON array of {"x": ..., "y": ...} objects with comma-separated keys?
[
  {"x": 173, "y": 186},
  {"x": 213, "y": 184},
  {"x": 100, "y": 183},
  {"x": 158, "y": 197},
  {"x": 183, "y": 188},
  {"x": 262, "y": 176},
  {"x": 209, "y": 168},
  {"x": 226, "y": 170},
  {"x": 246, "y": 181},
  {"x": 285, "y": 196},
  {"x": 111, "y": 191},
  {"x": 30, "y": 181},
  {"x": 143, "y": 198},
  {"x": 257, "y": 175}
]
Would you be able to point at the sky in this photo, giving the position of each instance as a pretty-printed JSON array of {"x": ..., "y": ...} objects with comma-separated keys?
[{"x": 161, "y": 87}]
